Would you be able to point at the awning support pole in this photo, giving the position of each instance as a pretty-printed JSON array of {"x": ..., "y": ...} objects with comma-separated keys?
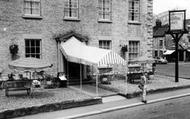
[
  {"x": 81, "y": 76},
  {"x": 97, "y": 76}
]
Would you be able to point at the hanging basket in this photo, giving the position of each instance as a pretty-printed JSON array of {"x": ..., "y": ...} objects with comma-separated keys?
[
  {"x": 13, "y": 49},
  {"x": 124, "y": 48}
]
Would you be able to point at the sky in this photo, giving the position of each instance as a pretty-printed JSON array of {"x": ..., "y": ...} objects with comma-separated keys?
[{"x": 160, "y": 6}]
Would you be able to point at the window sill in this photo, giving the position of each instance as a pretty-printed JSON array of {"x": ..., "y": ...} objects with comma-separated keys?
[
  {"x": 71, "y": 19},
  {"x": 104, "y": 21},
  {"x": 31, "y": 17},
  {"x": 134, "y": 22}
]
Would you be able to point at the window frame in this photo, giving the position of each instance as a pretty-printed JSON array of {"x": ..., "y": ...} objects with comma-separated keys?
[
  {"x": 32, "y": 9},
  {"x": 68, "y": 5},
  {"x": 105, "y": 44},
  {"x": 132, "y": 13},
  {"x": 102, "y": 11},
  {"x": 131, "y": 49},
  {"x": 30, "y": 46}
]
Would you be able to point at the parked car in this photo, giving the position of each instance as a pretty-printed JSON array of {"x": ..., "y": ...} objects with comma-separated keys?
[{"x": 160, "y": 60}]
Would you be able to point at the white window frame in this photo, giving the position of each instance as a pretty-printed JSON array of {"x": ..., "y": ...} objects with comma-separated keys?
[
  {"x": 105, "y": 8},
  {"x": 134, "y": 10},
  {"x": 105, "y": 44},
  {"x": 69, "y": 9},
  {"x": 33, "y": 54},
  {"x": 134, "y": 50},
  {"x": 31, "y": 7}
]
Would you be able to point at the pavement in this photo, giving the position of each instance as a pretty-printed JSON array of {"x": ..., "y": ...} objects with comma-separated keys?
[
  {"x": 161, "y": 88},
  {"x": 91, "y": 90},
  {"x": 160, "y": 83},
  {"x": 114, "y": 103}
]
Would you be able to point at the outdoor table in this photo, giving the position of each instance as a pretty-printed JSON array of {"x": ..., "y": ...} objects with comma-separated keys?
[{"x": 134, "y": 76}]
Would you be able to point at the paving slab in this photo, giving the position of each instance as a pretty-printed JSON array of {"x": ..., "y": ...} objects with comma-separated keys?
[
  {"x": 159, "y": 83},
  {"x": 91, "y": 90}
]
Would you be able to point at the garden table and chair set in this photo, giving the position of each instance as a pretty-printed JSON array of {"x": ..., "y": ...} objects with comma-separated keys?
[{"x": 28, "y": 73}]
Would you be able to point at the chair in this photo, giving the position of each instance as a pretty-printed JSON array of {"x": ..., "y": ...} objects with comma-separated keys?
[
  {"x": 27, "y": 74},
  {"x": 62, "y": 83}
]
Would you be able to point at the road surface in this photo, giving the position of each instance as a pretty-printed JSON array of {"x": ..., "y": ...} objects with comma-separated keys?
[{"x": 178, "y": 108}]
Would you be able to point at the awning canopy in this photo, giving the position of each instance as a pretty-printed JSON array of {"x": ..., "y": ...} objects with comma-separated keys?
[
  {"x": 168, "y": 52},
  {"x": 78, "y": 52},
  {"x": 29, "y": 63}
]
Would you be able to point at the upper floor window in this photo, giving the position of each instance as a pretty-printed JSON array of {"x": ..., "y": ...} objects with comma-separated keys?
[
  {"x": 105, "y": 44},
  {"x": 104, "y": 10},
  {"x": 134, "y": 10},
  {"x": 134, "y": 49},
  {"x": 32, "y": 7},
  {"x": 33, "y": 48},
  {"x": 71, "y": 9}
]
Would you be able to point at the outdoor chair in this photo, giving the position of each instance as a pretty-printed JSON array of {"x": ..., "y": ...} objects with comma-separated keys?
[{"x": 61, "y": 83}]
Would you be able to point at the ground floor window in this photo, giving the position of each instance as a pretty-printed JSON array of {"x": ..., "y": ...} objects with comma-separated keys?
[
  {"x": 134, "y": 49},
  {"x": 105, "y": 44},
  {"x": 33, "y": 48}
]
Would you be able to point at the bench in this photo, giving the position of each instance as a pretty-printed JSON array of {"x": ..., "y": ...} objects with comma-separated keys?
[{"x": 18, "y": 85}]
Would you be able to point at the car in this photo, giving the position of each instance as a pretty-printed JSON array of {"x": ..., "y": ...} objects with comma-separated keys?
[{"x": 160, "y": 60}]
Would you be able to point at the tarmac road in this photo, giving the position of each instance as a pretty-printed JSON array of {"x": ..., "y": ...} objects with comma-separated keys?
[
  {"x": 169, "y": 69},
  {"x": 178, "y": 108}
]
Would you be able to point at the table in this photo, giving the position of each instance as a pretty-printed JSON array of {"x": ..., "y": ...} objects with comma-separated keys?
[{"x": 135, "y": 76}]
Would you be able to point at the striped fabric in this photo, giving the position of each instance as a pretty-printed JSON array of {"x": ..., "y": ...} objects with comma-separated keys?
[
  {"x": 75, "y": 51},
  {"x": 110, "y": 59}
]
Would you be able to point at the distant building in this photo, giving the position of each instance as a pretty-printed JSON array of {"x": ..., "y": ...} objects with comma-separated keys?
[
  {"x": 163, "y": 17},
  {"x": 38, "y": 26},
  {"x": 164, "y": 46}
]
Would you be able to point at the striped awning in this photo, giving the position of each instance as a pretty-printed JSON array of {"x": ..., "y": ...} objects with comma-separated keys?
[
  {"x": 110, "y": 59},
  {"x": 78, "y": 52}
]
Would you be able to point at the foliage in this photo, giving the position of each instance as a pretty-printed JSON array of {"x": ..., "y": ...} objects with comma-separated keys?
[{"x": 13, "y": 49}]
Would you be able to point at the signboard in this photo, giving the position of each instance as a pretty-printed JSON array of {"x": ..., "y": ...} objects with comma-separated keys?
[{"x": 176, "y": 20}]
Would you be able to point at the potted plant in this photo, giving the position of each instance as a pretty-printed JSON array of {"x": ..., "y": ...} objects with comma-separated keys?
[
  {"x": 13, "y": 49},
  {"x": 124, "y": 48}
]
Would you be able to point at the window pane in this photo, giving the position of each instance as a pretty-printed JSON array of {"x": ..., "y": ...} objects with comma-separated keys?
[
  {"x": 27, "y": 43},
  {"x": 104, "y": 9},
  {"x": 32, "y": 48},
  {"x": 37, "y": 55},
  {"x": 133, "y": 49},
  {"x": 37, "y": 50},
  {"x": 32, "y": 7},
  {"x": 134, "y": 10},
  {"x": 66, "y": 12},
  {"x": 32, "y": 42},
  {"x": 33, "y": 55},
  {"x": 27, "y": 55},
  {"x": 38, "y": 43},
  {"x": 27, "y": 50},
  {"x": 71, "y": 8},
  {"x": 105, "y": 44}
]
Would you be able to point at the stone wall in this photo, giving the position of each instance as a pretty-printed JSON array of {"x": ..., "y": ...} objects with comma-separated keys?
[{"x": 15, "y": 28}]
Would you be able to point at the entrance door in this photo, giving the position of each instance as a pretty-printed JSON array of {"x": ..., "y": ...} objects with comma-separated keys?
[{"x": 74, "y": 72}]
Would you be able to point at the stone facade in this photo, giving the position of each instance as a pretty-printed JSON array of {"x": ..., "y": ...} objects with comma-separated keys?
[{"x": 15, "y": 27}]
